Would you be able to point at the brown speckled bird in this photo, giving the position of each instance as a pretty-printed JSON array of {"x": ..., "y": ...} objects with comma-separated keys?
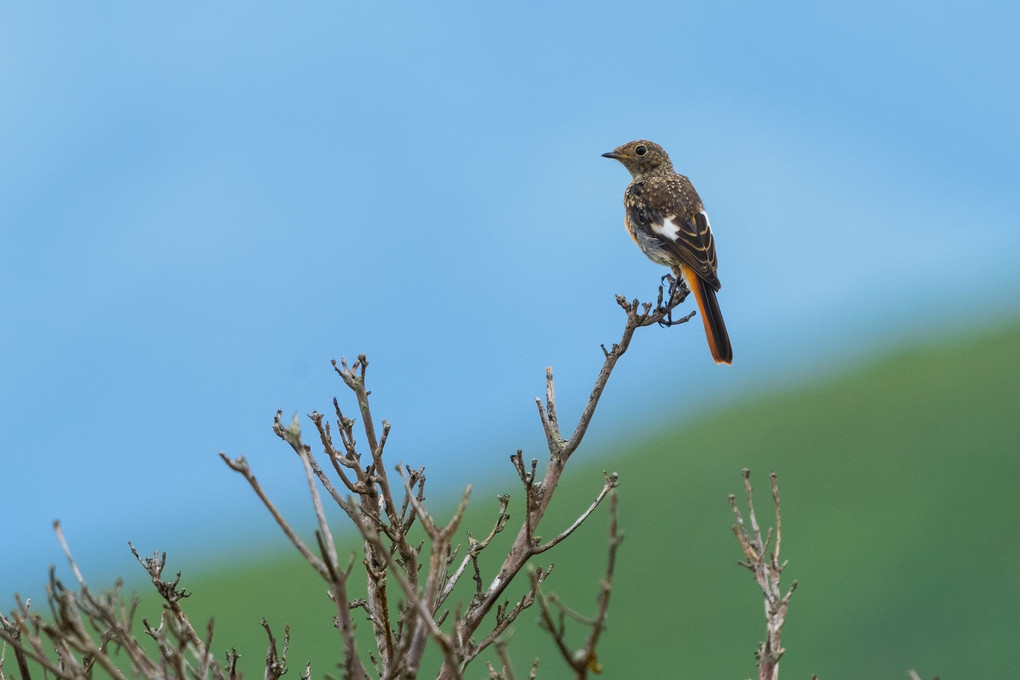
[{"x": 667, "y": 220}]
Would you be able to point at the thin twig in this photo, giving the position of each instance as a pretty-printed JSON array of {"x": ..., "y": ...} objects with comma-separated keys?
[
  {"x": 612, "y": 481},
  {"x": 240, "y": 465}
]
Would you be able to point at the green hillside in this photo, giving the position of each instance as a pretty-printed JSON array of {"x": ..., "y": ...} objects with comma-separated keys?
[{"x": 898, "y": 484}]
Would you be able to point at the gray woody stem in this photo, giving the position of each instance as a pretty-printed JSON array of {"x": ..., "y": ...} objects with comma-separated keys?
[{"x": 767, "y": 569}]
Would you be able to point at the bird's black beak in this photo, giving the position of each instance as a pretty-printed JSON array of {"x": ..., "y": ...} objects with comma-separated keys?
[{"x": 611, "y": 154}]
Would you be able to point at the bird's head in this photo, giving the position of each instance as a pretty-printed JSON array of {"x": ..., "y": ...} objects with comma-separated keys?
[{"x": 641, "y": 157}]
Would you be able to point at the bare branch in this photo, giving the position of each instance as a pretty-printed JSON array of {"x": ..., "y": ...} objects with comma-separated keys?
[
  {"x": 599, "y": 625},
  {"x": 276, "y": 662},
  {"x": 414, "y": 599},
  {"x": 585, "y": 659},
  {"x": 538, "y": 494},
  {"x": 240, "y": 465},
  {"x": 767, "y": 570},
  {"x": 635, "y": 319},
  {"x": 506, "y": 615},
  {"x": 612, "y": 481},
  {"x": 475, "y": 547}
]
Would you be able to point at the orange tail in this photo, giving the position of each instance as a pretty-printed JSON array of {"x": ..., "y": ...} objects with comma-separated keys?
[{"x": 715, "y": 327}]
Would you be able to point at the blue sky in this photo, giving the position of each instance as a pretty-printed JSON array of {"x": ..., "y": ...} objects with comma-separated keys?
[{"x": 202, "y": 205}]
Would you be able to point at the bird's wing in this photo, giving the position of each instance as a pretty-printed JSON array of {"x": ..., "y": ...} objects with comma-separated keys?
[{"x": 673, "y": 213}]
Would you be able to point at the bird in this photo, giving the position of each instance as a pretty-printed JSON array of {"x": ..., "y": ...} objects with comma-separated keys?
[{"x": 666, "y": 218}]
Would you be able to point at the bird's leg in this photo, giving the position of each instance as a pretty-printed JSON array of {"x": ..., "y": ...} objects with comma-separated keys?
[
  {"x": 669, "y": 283},
  {"x": 672, "y": 284},
  {"x": 678, "y": 292}
]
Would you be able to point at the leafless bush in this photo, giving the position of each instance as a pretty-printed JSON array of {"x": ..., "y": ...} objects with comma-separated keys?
[
  {"x": 384, "y": 510},
  {"x": 407, "y": 580},
  {"x": 85, "y": 631}
]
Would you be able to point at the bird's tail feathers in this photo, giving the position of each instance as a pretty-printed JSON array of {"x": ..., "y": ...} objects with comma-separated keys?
[{"x": 711, "y": 317}]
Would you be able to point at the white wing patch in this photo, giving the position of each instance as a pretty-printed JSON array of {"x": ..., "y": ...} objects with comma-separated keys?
[
  {"x": 705, "y": 215},
  {"x": 667, "y": 230}
]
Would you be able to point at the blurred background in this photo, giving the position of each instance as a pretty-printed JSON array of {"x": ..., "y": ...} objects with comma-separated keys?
[{"x": 202, "y": 205}]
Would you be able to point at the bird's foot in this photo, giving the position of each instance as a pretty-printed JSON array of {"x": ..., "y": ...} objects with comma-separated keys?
[{"x": 672, "y": 291}]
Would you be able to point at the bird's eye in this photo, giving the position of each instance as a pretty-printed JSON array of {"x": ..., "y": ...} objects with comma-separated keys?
[{"x": 640, "y": 150}]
